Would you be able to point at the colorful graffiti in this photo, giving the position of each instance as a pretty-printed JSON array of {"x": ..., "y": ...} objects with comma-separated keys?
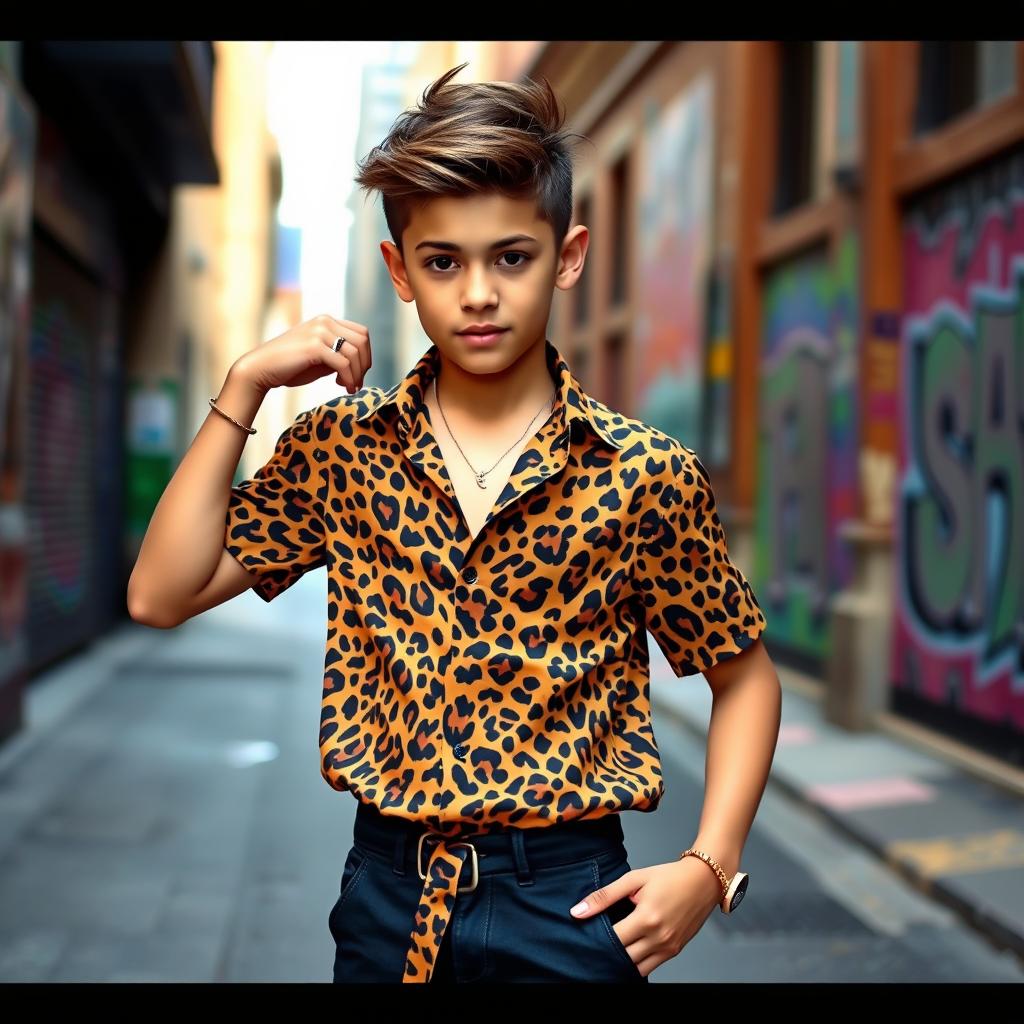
[
  {"x": 807, "y": 464},
  {"x": 18, "y": 133},
  {"x": 62, "y": 455},
  {"x": 718, "y": 388},
  {"x": 674, "y": 229},
  {"x": 959, "y": 633}
]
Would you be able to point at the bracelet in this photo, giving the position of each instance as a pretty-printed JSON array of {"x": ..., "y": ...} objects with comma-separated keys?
[
  {"x": 248, "y": 430},
  {"x": 723, "y": 878}
]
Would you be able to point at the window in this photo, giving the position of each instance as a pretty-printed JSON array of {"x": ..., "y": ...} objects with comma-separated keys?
[
  {"x": 957, "y": 76},
  {"x": 620, "y": 232},
  {"x": 796, "y": 144},
  {"x": 613, "y": 393}
]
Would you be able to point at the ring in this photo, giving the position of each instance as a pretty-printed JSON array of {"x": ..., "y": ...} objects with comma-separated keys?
[{"x": 338, "y": 343}]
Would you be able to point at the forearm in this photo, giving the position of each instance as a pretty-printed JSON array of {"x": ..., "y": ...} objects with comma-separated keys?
[
  {"x": 742, "y": 735},
  {"x": 185, "y": 536}
]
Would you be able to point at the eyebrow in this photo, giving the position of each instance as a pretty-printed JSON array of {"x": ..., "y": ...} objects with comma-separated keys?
[{"x": 452, "y": 247}]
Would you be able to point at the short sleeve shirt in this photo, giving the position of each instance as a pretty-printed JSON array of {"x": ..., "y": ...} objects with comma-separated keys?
[{"x": 475, "y": 683}]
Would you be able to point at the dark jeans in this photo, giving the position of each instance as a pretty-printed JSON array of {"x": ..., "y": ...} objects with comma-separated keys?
[{"x": 515, "y": 926}]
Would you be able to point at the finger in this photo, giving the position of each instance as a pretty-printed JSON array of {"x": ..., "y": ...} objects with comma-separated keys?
[
  {"x": 604, "y": 897},
  {"x": 345, "y": 361},
  {"x": 339, "y": 326},
  {"x": 648, "y": 963},
  {"x": 354, "y": 332},
  {"x": 348, "y": 357},
  {"x": 629, "y": 932},
  {"x": 355, "y": 350},
  {"x": 590, "y": 904},
  {"x": 582, "y": 908}
]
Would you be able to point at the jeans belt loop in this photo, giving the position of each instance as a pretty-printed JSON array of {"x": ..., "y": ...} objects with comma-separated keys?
[
  {"x": 398, "y": 860},
  {"x": 524, "y": 871}
]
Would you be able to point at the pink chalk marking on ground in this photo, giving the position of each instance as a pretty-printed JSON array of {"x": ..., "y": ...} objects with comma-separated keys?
[
  {"x": 847, "y": 796},
  {"x": 794, "y": 735}
]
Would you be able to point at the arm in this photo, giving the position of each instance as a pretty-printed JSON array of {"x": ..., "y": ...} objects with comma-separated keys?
[
  {"x": 209, "y": 541},
  {"x": 182, "y": 553},
  {"x": 674, "y": 899},
  {"x": 685, "y": 558},
  {"x": 743, "y": 731},
  {"x": 684, "y": 555}
]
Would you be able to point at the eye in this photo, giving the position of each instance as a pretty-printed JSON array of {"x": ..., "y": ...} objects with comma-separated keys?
[
  {"x": 430, "y": 263},
  {"x": 524, "y": 258}
]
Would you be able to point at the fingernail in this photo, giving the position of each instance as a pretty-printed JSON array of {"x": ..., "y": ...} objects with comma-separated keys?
[{"x": 580, "y": 908}]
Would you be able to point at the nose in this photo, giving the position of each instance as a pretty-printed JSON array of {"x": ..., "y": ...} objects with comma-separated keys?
[{"x": 479, "y": 289}]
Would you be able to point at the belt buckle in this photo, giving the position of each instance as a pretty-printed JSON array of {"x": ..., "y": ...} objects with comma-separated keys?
[{"x": 475, "y": 862}]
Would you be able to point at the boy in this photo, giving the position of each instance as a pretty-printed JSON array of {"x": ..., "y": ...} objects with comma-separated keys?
[{"x": 497, "y": 545}]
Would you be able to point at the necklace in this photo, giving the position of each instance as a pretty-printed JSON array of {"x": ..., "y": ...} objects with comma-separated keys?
[{"x": 480, "y": 475}]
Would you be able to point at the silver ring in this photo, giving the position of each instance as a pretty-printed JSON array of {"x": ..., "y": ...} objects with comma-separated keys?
[{"x": 338, "y": 343}]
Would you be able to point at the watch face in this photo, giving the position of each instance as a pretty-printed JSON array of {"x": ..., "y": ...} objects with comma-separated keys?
[{"x": 737, "y": 896}]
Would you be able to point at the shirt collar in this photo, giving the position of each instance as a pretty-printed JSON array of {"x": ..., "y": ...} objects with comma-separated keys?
[{"x": 571, "y": 401}]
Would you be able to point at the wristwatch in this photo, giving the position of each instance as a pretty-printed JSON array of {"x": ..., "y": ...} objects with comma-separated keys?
[{"x": 733, "y": 889}]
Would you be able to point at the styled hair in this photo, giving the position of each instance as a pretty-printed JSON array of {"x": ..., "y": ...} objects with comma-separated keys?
[{"x": 464, "y": 138}]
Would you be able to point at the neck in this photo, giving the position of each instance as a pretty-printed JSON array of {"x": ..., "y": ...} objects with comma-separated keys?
[{"x": 491, "y": 401}]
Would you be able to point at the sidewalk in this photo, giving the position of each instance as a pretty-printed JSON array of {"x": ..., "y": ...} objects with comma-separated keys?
[
  {"x": 52, "y": 697},
  {"x": 945, "y": 818}
]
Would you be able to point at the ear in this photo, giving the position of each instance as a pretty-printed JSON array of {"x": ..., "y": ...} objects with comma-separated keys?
[
  {"x": 572, "y": 257},
  {"x": 397, "y": 270}
]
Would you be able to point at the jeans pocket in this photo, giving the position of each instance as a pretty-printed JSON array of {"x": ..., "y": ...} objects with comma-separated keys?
[
  {"x": 356, "y": 864},
  {"x": 604, "y": 874}
]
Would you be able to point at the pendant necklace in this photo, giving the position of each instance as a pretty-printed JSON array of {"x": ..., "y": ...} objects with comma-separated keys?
[{"x": 481, "y": 475}]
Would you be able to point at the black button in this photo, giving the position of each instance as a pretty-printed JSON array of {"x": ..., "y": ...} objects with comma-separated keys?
[
  {"x": 470, "y": 575},
  {"x": 460, "y": 751}
]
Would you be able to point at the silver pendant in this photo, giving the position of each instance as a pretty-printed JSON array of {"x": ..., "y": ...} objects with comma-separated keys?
[{"x": 480, "y": 480}]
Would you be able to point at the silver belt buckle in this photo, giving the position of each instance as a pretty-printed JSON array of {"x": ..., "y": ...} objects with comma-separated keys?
[{"x": 475, "y": 862}]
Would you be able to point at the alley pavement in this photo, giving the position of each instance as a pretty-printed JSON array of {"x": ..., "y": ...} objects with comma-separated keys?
[{"x": 147, "y": 835}]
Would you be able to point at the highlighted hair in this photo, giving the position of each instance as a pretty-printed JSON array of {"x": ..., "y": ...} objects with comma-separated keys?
[{"x": 475, "y": 137}]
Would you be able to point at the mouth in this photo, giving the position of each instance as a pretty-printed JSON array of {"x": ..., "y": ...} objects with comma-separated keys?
[{"x": 482, "y": 337}]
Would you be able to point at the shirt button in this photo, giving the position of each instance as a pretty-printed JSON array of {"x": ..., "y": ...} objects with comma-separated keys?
[
  {"x": 470, "y": 575},
  {"x": 460, "y": 751}
]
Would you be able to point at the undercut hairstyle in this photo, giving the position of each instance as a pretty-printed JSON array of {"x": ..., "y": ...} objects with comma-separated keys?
[{"x": 475, "y": 137}]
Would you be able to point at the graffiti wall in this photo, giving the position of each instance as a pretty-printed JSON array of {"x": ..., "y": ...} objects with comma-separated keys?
[
  {"x": 959, "y": 631},
  {"x": 18, "y": 131},
  {"x": 718, "y": 388},
  {"x": 674, "y": 235},
  {"x": 807, "y": 446}
]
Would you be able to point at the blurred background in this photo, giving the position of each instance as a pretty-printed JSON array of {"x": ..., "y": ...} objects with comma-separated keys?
[{"x": 806, "y": 263}]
